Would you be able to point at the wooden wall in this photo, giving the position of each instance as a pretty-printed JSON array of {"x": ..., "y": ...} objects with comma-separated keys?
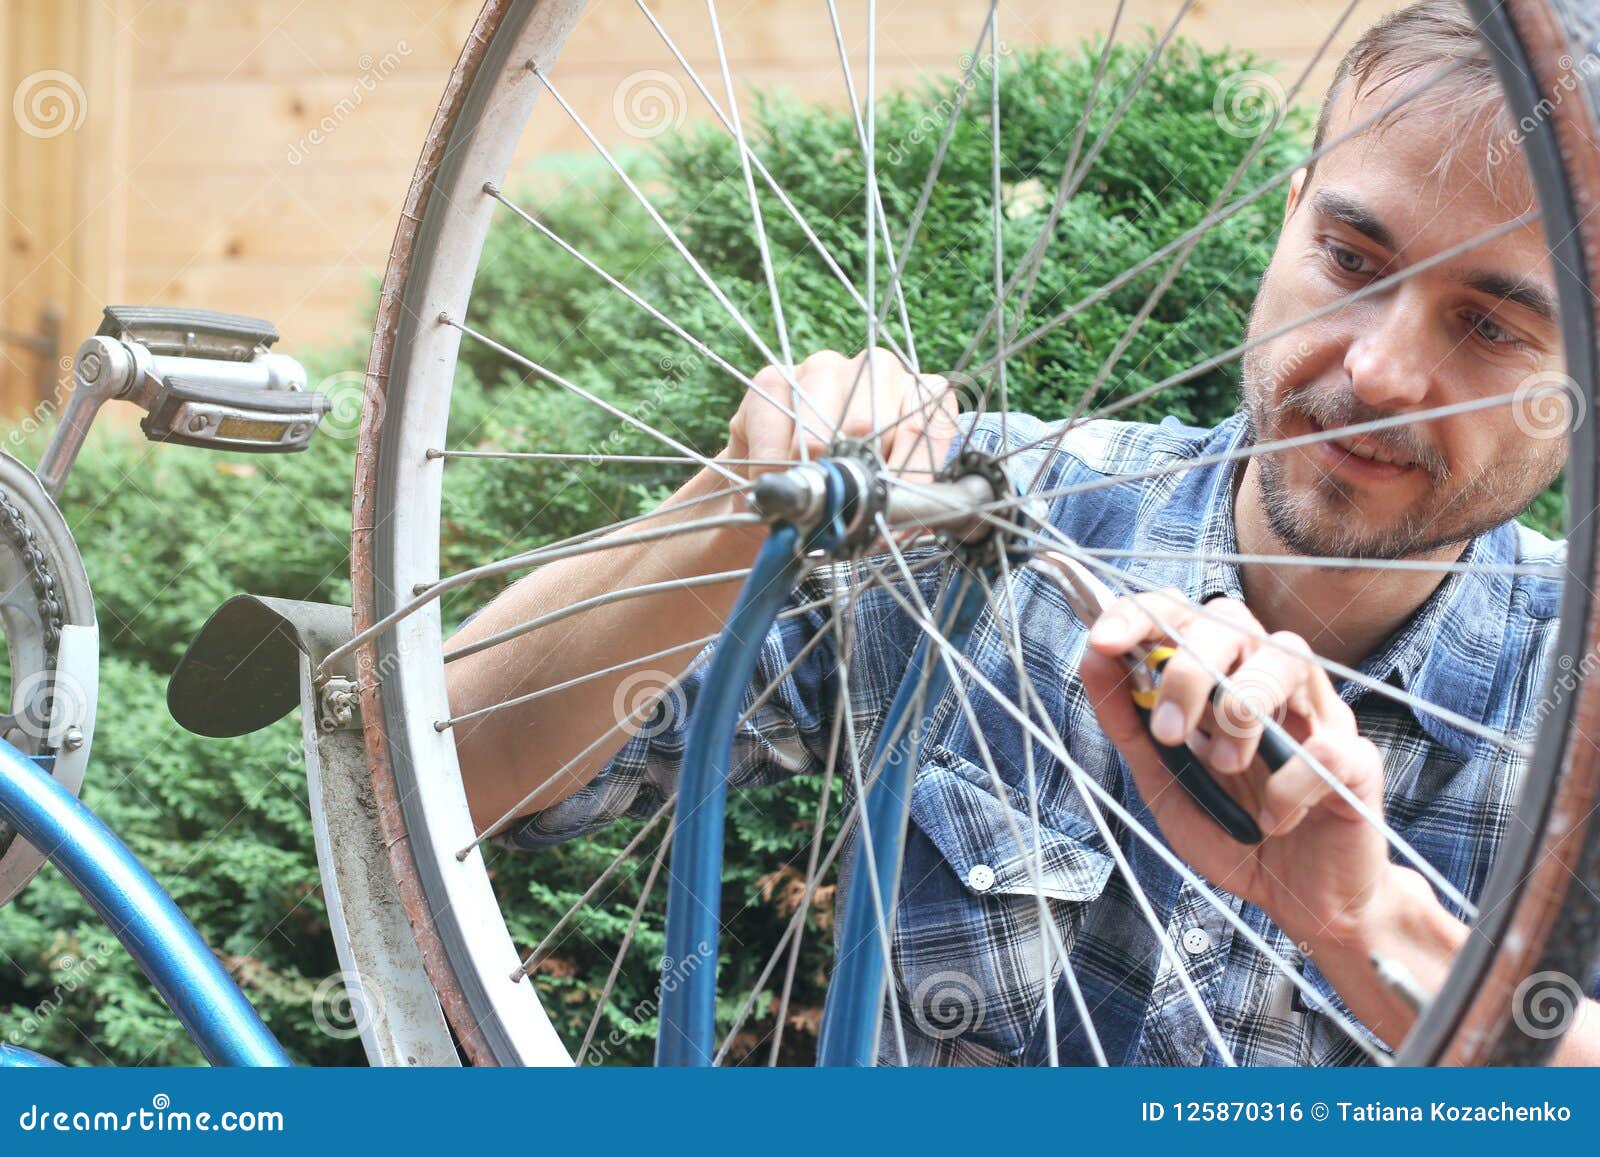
[{"x": 251, "y": 155}]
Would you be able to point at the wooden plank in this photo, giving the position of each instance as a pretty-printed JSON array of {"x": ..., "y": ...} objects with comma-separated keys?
[
  {"x": 312, "y": 308},
  {"x": 257, "y": 39}
]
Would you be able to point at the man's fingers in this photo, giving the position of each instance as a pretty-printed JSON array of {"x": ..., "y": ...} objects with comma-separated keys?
[
  {"x": 1297, "y": 788},
  {"x": 1141, "y": 618},
  {"x": 1273, "y": 681},
  {"x": 1209, "y": 644},
  {"x": 925, "y": 427}
]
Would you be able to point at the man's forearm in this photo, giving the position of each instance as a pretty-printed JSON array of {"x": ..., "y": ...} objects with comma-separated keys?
[
  {"x": 1410, "y": 928},
  {"x": 514, "y": 758}
]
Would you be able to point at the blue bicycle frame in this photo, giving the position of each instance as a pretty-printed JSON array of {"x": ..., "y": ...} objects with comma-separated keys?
[{"x": 159, "y": 937}]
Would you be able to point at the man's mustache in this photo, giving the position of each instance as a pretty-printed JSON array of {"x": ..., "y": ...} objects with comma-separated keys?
[{"x": 1332, "y": 409}]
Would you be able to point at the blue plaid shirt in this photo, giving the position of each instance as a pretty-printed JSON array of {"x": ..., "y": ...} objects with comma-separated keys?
[{"x": 969, "y": 966}]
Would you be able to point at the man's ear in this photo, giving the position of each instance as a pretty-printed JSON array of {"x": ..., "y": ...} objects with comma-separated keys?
[{"x": 1296, "y": 183}]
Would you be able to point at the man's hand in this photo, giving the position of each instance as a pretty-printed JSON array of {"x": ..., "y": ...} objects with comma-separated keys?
[
  {"x": 1319, "y": 867},
  {"x": 912, "y": 417}
]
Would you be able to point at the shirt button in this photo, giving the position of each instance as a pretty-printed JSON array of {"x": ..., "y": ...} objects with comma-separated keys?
[
  {"x": 1196, "y": 941},
  {"x": 980, "y": 878}
]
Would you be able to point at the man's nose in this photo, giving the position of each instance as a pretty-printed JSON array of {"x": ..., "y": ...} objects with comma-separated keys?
[{"x": 1391, "y": 360}]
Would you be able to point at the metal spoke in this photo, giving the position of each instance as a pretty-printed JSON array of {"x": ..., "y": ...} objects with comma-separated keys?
[
  {"x": 703, "y": 640},
  {"x": 875, "y": 190},
  {"x": 1329, "y": 434},
  {"x": 738, "y": 318},
  {"x": 1214, "y": 219},
  {"x": 693, "y": 342},
  {"x": 1390, "y": 836},
  {"x": 1333, "y": 667},
  {"x": 946, "y": 135},
  {"x": 636, "y": 715},
  {"x": 760, "y": 167},
  {"x": 615, "y": 411},
  {"x": 578, "y": 544},
  {"x": 818, "y": 826},
  {"x": 1027, "y": 273},
  {"x": 542, "y": 949},
  {"x": 848, "y": 823},
  {"x": 750, "y": 188},
  {"x": 607, "y": 459},
  {"x": 627, "y": 942},
  {"x": 1066, "y": 193},
  {"x": 1509, "y": 570},
  {"x": 1050, "y": 932},
  {"x": 1057, "y": 748},
  {"x": 948, "y": 654},
  {"x": 594, "y": 602},
  {"x": 1383, "y": 285},
  {"x": 1170, "y": 276}
]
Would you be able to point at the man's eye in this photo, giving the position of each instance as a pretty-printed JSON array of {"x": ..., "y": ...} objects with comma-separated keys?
[
  {"x": 1491, "y": 331},
  {"x": 1349, "y": 260}
]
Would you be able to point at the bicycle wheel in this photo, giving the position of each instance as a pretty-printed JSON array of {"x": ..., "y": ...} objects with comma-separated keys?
[{"x": 509, "y": 989}]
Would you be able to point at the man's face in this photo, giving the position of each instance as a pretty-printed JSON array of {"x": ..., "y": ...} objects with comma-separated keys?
[{"x": 1474, "y": 326}]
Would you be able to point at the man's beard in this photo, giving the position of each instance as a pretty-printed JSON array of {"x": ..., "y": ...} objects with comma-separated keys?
[{"x": 1328, "y": 519}]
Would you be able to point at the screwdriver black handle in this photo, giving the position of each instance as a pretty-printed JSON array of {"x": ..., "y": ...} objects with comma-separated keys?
[{"x": 1196, "y": 779}]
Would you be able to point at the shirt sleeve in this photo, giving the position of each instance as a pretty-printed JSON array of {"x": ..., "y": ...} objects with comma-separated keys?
[{"x": 787, "y": 735}]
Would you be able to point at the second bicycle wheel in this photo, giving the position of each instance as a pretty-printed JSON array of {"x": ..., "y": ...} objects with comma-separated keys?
[{"x": 1072, "y": 238}]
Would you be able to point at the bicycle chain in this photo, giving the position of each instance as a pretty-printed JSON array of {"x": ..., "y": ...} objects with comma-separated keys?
[
  {"x": 14, "y": 526},
  {"x": 47, "y": 602}
]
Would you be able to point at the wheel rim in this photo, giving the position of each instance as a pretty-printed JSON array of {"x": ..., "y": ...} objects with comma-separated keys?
[{"x": 466, "y": 956}]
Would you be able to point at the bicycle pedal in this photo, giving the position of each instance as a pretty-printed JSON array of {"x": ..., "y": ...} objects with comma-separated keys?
[
  {"x": 200, "y": 412},
  {"x": 212, "y": 380},
  {"x": 198, "y": 333}
]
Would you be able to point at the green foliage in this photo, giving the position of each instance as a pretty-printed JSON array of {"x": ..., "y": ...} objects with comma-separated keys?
[{"x": 169, "y": 533}]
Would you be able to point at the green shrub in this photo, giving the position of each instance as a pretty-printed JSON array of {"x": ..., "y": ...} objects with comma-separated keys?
[{"x": 169, "y": 533}]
